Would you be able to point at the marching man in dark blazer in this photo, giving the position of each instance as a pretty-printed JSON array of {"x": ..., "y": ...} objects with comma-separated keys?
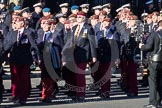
[
  {"x": 107, "y": 52},
  {"x": 48, "y": 83},
  {"x": 83, "y": 51},
  {"x": 23, "y": 52},
  {"x": 128, "y": 65}
]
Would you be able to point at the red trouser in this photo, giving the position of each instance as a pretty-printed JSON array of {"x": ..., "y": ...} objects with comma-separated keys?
[
  {"x": 131, "y": 71},
  {"x": 48, "y": 89},
  {"x": 123, "y": 72},
  {"x": 69, "y": 77},
  {"x": 21, "y": 83},
  {"x": 48, "y": 84},
  {"x": 102, "y": 77},
  {"x": 80, "y": 81}
]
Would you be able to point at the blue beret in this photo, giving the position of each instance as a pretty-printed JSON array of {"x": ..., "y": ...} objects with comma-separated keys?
[
  {"x": 46, "y": 10},
  {"x": 16, "y": 8},
  {"x": 74, "y": 7},
  {"x": 149, "y": 2}
]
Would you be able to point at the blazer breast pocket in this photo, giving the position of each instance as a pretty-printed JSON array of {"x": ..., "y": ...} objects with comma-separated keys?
[
  {"x": 83, "y": 42},
  {"x": 24, "y": 41}
]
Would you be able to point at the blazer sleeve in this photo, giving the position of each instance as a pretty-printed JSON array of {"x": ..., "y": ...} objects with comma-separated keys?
[
  {"x": 92, "y": 41},
  {"x": 34, "y": 48},
  {"x": 149, "y": 43},
  {"x": 8, "y": 42}
]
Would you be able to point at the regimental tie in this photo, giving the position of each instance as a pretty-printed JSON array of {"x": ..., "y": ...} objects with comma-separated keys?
[
  {"x": 105, "y": 33},
  {"x": 76, "y": 34},
  {"x": 44, "y": 37},
  {"x": 18, "y": 37}
]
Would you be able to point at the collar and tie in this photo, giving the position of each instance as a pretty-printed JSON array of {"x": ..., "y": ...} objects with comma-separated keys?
[
  {"x": 76, "y": 35},
  {"x": 18, "y": 37},
  {"x": 44, "y": 37},
  {"x": 77, "y": 31}
]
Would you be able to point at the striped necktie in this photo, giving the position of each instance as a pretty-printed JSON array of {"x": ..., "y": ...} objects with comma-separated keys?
[{"x": 77, "y": 32}]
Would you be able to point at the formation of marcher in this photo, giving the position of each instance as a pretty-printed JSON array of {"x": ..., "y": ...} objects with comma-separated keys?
[{"x": 75, "y": 40}]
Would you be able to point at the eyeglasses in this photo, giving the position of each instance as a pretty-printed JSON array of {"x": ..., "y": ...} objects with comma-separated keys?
[{"x": 79, "y": 17}]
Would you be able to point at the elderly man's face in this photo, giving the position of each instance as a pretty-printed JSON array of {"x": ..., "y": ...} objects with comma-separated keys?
[
  {"x": 149, "y": 20},
  {"x": 94, "y": 22},
  {"x": 101, "y": 17},
  {"x": 46, "y": 27},
  {"x": 155, "y": 18},
  {"x": 80, "y": 18},
  {"x": 19, "y": 24},
  {"x": 106, "y": 24}
]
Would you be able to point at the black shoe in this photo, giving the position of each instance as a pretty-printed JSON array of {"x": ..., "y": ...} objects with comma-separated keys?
[
  {"x": 149, "y": 106},
  {"x": 160, "y": 104},
  {"x": 13, "y": 99},
  {"x": 105, "y": 95},
  {"x": 20, "y": 102},
  {"x": 39, "y": 86},
  {"x": 56, "y": 91},
  {"x": 70, "y": 93},
  {"x": 1, "y": 100},
  {"x": 78, "y": 98},
  {"x": 9, "y": 90},
  {"x": 46, "y": 100},
  {"x": 129, "y": 94},
  {"x": 98, "y": 93}
]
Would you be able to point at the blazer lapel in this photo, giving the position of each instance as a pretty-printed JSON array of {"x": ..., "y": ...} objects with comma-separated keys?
[
  {"x": 15, "y": 33},
  {"x": 73, "y": 32},
  {"x": 81, "y": 31}
]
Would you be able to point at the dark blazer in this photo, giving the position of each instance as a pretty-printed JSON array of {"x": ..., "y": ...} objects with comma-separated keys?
[
  {"x": 152, "y": 43},
  {"x": 60, "y": 29},
  {"x": 22, "y": 52},
  {"x": 85, "y": 44},
  {"x": 68, "y": 35},
  {"x": 50, "y": 46},
  {"x": 4, "y": 29},
  {"x": 57, "y": 40},
  {"x": 51, "y": 39},
  {"x": 107, "y": 47},
  {"x": 40, "y": 42}
]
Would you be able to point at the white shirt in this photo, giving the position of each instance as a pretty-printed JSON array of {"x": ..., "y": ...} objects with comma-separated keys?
[{"x": 21, "y": 31}]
